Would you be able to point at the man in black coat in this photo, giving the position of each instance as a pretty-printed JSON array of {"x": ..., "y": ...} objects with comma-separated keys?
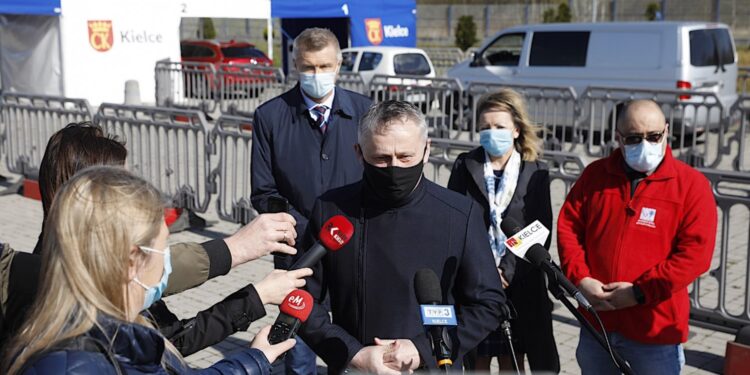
[
  {"x": 303, "y": 145},
  {"x": 402, "y": 223}
]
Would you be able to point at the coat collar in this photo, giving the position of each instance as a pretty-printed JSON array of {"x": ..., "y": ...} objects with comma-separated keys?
[{"x": 132, "y": 343}]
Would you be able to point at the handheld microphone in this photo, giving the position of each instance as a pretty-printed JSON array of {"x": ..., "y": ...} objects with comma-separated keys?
[
  {"x": 334, "y": 234},
  {"x": 292, "y": 313},
  {"x": 435, "y": 317},
  {"x": 525, "y": 244}
]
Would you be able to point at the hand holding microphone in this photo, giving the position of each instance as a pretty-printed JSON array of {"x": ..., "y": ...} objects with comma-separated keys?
[
  {"x": 293, "y": 312},
  {"x": 334, "y": 234}
]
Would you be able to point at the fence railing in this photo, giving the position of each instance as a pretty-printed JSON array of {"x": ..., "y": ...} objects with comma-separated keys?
[
  {"x": 190, "y": 85},
  {"x": 29, "y": 121},
  {"x": 232, "y": 137},
  {"x": 440, "y": 99},
  {"x": 242, "y": 88},
  {"x": 167, "y": 147}
]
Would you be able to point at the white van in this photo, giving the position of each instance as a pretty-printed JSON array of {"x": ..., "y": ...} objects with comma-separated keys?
[
  {"x": 649, "y": 55},
  {"x": 384, "y": 60}
]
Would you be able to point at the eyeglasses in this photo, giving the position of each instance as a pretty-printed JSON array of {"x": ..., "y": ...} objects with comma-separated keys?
[{"x": 633, "y": 139}]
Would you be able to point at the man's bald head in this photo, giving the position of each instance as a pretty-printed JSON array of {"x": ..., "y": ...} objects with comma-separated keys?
[{"x": 641, "y": 116}]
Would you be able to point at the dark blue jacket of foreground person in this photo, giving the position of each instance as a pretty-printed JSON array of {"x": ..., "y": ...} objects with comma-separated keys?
[
  {"x": 370, "y": 281},
  {"x": 292, "y": 159},
  {"x": 136, "y": 350}
]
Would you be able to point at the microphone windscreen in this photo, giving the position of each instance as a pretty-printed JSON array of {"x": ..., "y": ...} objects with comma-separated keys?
[
  {"x": 537, "y": 254},
  {"x": 336, "y": 232},
  {"x": 510, "y": 226},
  {"x": 427, "y": 287},
  {"x": 297, "y": 304}
]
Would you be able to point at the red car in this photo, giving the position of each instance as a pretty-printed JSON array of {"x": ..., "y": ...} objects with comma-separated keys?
[
  {"x": 230, "y": 52},
  {"x": 231, "y": 60}
]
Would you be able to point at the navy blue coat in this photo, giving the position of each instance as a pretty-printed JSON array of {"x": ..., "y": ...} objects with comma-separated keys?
[
  {"x": 293, "y": 160},
  {"x": 137, "y": 350},
  {"x": 370, "y": 280}
]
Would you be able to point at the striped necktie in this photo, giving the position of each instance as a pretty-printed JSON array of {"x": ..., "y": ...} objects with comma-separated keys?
[{"x": 320, "y": 118}]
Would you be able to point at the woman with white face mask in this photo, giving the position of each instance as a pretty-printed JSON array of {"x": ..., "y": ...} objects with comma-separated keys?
[
  {"x": 106, "y": 260},
  {"x": 505, "y": 177}
]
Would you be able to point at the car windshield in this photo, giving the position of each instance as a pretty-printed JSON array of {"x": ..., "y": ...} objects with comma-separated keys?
[
  {"x": 242, "y": 52},
  {"x": 411, "y": 64}
]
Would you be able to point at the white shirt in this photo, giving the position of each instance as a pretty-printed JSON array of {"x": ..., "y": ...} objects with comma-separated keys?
[{"x": 328, "y": 103}]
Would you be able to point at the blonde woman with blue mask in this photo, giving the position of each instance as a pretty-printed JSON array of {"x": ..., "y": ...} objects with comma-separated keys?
[
  {"x": 506, "y": 178},
  {"x": 106, "y": 260}
]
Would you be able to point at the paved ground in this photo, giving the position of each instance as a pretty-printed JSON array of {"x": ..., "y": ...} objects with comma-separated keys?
[{"x": 21, "y": 218}]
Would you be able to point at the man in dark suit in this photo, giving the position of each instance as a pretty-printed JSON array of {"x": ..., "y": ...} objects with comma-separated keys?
[
  {"x": 402, "y": 223},
  {"x": 303, "y": 143}
]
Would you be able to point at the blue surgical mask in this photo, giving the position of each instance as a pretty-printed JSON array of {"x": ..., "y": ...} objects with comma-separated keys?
[
  {"x": 645, "y": 156},
  {"x": 496, "y": 141},
  {"x": 154, "y": 293},
  {"x": 317, "y": 85}
]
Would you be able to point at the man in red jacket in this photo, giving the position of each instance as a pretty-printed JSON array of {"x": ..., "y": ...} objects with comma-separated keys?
[{"x": 636, "y": 229}]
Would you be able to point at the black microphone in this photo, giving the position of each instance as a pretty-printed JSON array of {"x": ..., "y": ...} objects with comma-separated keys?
[
  {"x": 539, "y": 256},
  {"x": 335, "y": 233},
  {"x": 435, "y": 317}
]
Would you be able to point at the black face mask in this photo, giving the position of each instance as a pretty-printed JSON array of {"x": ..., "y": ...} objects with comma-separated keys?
[{"x": 392, "y": 184}]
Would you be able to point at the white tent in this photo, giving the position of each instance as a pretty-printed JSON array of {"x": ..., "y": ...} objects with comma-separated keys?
[{"x": 90, "y": 48}]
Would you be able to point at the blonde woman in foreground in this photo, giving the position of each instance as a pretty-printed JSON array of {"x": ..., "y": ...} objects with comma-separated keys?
[{"x": 107, "y": 260}]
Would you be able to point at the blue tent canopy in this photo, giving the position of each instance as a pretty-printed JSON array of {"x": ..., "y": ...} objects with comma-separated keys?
[
  {"x": 371, "y": 22},
  {"x": 30, "y": 7}
]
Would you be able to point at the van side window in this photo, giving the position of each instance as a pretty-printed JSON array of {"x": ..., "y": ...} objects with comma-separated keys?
[
  {"x": 504, "y": 51},
  {"x": 369, "y": 61},
  {"x": 201, "y": 51},
  {"x": 559, "y": 48},
  {"x": 347, "y": 63},
  {"x": 711, "y": 47}
]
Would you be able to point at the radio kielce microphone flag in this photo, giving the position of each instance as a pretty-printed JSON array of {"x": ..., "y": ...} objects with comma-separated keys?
[
  {"x": 435, "y": 317},
  {"x": 334, "y": 234},
  {"x": 293, "y": 312},
  {"x": 526, "y": 243}
]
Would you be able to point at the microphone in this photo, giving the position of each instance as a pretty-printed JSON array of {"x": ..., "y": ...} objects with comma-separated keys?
[
  {"x": 525, "y": 243},
  {"x": 435, "y": 317},
  {"x": 335, "y": 233},
  {"x": 292, "y": 313}
]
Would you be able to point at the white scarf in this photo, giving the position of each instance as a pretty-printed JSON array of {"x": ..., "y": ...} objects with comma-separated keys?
[{"x": 500, "y": 200}]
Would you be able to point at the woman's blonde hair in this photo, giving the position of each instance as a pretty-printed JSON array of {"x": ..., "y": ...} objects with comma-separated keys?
[
  {"x": 508, "y": 100},
  {"x": 94, "y": 221}
]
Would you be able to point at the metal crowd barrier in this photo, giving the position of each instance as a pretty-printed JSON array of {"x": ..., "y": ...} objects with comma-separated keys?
[
  {"x": 444, "y": 58},
  {"x": 30, "y": 120},
  {"x": 167, "y": 147},
  {"x": 553, "y": 108},
  {"x": 232, "y": 137},
  {"x": 244, "y": 87},
  {"x": 730, "y": 309},
  {"x": 440, "y": 99},
  {"x": 696, "y": 118},
  {"x": 739, "y": 117},
  {"x": 189, "y": 85}
]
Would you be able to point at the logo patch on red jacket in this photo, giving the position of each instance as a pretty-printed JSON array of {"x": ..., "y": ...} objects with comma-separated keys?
[{"x": 648, "y": 215}]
